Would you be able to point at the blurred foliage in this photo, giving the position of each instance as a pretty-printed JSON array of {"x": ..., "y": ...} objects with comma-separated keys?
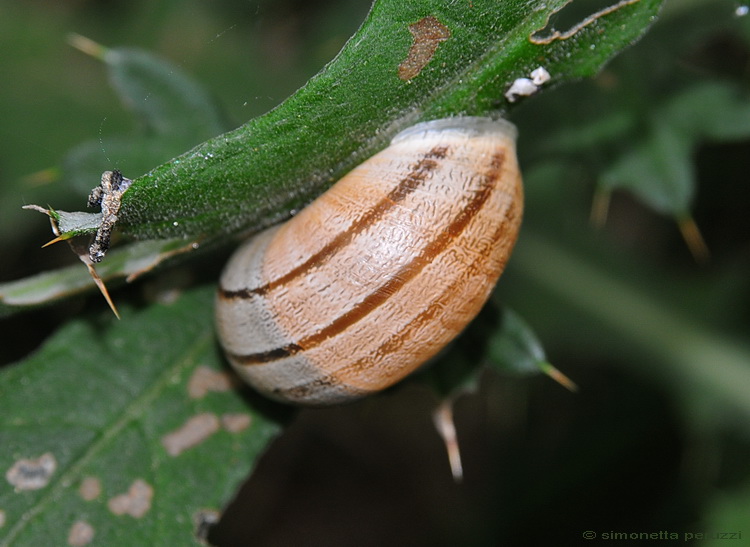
[{"x": 658, "y": 436}]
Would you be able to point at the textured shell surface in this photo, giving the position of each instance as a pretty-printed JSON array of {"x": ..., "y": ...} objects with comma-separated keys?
[{"x": 379, "y": 273}]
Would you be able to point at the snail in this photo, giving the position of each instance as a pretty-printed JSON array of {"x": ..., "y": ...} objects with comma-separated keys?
[{"x": 380, "y": 272}]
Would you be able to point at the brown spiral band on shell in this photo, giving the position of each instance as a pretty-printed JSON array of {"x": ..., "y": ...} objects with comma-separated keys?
[{"x": 379, "y": 273}]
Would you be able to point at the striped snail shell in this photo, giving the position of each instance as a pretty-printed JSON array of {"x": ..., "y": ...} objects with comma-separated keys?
[{"x": 379, "y": 273}]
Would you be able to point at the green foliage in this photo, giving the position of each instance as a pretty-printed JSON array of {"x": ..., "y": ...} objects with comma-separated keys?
[{"x": 143, "y": 399}]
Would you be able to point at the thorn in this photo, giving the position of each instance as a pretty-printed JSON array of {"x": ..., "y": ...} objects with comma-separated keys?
[
  {"x": 442, "y": 417},
  {"x": 88, "y": 46},
  {"x": 59, "y": 238},
  {"x": 102, "y": 288},
  {"x": 37, "y": 208},
  {"x": 79, "y": 252},
  {"x": 694, "y": 239},
  {"x": 600, "y": 207},
  {"x": 557, "y": 376}
]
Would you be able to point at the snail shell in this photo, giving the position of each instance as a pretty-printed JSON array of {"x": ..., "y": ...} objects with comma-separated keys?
[{"x": 378, "y": 274}]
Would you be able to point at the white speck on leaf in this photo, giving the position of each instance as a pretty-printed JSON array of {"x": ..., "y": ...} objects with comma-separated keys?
[
  {"x": 90, "y": 488},
  {"x": 205, "y": 379},
  {"x": 196, "y": 430},
  {"x": 32, "y": 474},
  {"x": 234, "y": 423},
  {"x": 540, "y": 76},
  {"x": 81, "y": 533},
  {"x": 136, "y": 502},
  {"x": 524, "y": 87},
  {"x": 521, "y": 87}
]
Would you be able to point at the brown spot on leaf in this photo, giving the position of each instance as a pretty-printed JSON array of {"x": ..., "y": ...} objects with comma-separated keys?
[
  {"x": 135, "y": 502},
  {"x": 32, "y": 474},
  {"x": 205, "y": 379},
  {"x": 90, "y": 488},
  {"x": 428, "y": 32},
  {"x": 196, "y": 430},
  {"x": 234, "y": 423},
  {"x": 2, "y": 518},
  {"x": 81, "y": 533}
]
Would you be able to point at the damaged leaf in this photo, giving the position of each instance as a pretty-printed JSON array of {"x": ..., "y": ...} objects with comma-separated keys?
[{"x": 105, "y": 454}]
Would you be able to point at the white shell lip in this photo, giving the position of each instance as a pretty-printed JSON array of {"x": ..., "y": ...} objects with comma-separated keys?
[{"x": 469, "y": 126}]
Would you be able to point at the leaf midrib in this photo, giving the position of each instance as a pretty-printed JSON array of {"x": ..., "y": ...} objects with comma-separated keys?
[{"x": 130, "y": 414}]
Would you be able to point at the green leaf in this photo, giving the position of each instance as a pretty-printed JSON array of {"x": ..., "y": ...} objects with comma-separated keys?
[
  {"x": 75, "y": 223},
  {"x": 497, "y": 339},
  {"x": 175, "y": 112},
  {"x": 714, "y": 111},
  {"x": 257, "y": 174},
  {"x": 658, "y": 170},
  {"x": 514, "y": 346},
  {"x": 659, "y": 167},
  {"x": 167, "y": 101},
  {"x": 108, "y": 406},
  {"x": 129, "y": 261}
]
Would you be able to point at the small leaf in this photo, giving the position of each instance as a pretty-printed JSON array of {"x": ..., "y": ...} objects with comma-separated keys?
[
  {"x": 711, "y": 111},
  {"x": 129, "y": 261},
  {"x": 139, "y": 426},
  {"x": 499, "y": 339},
  {"x": 66, "y": 225},
  {"x": 514, "y": 346},
  {"x": 176, "y": 113},
  {"x": 167, "y": 101},
  {"x": 75, "y": 223},
  {"x": 658, "y": 169}
]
